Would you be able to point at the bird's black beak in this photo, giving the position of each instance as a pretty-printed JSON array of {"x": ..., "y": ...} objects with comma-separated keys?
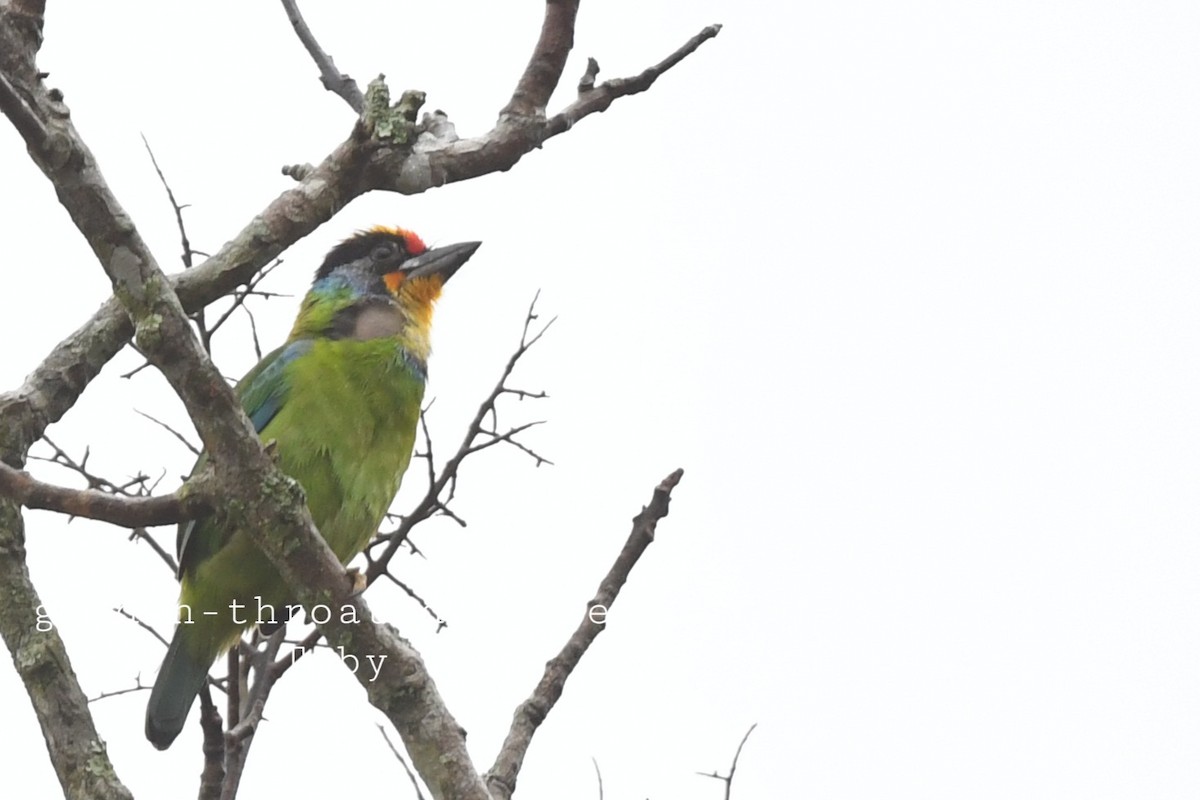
[{"x": 443, "y": 261}]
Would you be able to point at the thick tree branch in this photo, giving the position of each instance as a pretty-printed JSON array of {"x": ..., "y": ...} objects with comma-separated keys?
[
  {"x": 384, "y": 151},
  {"x": 40, "y": 657},
  {"x": 259, "y": 498},
  {"x": 545, "y": 66},
  {"x": 128, "y": 512},
  {"x": 360, "y": 164},
  {"x": 502, "y": 777}
]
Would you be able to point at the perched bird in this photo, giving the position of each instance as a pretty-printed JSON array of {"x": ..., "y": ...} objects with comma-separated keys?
[{"x": 340, "y": 399}]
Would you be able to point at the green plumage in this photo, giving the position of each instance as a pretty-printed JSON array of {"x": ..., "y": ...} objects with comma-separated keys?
[
  {"x": 341, "y": 401},
  {"x": 345, "y": 431}
]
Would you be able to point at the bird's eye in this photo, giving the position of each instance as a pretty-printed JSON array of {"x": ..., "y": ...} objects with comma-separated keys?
[{"x": 383, "y": 252}]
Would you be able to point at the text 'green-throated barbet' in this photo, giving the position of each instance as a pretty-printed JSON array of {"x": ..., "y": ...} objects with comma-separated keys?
[{"x": 341, "y": 399}]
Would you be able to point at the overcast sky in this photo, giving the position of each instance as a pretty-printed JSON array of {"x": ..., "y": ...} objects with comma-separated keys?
[{"x": 908, "y": 289}]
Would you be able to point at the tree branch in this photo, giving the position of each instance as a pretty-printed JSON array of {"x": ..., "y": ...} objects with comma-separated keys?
[
  {"x": 339, "y": 83},
  {"x": 128, "y": 512},
  {"x": 360, "y": 164},
  {"x": 502, "y": 777},
  {"x": 593, "y": 99},
  {"x": 545, "y": 66},
  {"x": 40, "y": 657},
  {"x": 212, "y": 777},
  {"x": 728, "y": 779},
  {"x": 386, "y": 150},
  {"x": 432, "y": 502}
]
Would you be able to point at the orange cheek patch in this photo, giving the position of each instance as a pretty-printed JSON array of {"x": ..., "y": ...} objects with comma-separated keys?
[{"x": 393, "y": 280}]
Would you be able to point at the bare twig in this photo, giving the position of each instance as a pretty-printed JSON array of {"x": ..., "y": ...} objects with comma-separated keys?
[
  {"x": 298, "y": 651},
  {"x": 502, "y": 777},
  {"x": 137, "y": 687},
  {"x": 339, "y": 83},
  {"x": 446, "y": 480},
  {"x": 147, "y": 627},
  {"x": 143, "y": 535},
  {"x": 183, "y": 439},
  {"x": 62, "y": 459},
  {"x": 593, "y": 99},
  {"x": 185, "y": 245},
  {"x": 127, "y": 511},
  {"x": 599, "y": 779},
  {"x": 238, "y": 298},
  {"x": 728, "y": 779},
  {"x": 441, "y": 623},
  {"x": 413, "y": 778},
  {"x": 254, "y": 672}
]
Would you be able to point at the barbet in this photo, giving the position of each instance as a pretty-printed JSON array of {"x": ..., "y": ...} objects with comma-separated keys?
[{"x": 341, "y": 399}]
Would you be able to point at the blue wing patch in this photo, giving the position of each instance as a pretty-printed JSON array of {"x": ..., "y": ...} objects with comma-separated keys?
[{"x": 264, "y": 390}]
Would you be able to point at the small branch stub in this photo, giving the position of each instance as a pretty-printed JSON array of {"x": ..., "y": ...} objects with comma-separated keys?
[{"x": 387, "y": 122}]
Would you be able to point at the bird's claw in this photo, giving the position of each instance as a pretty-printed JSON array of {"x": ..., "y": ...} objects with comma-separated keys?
[{"x": 358, "y": 581}]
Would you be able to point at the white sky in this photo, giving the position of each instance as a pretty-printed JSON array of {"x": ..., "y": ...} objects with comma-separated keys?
[{"x": 909, "y": 290}]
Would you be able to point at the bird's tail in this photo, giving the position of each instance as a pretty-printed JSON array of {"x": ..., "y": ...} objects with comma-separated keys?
[{"x": 179, "y": 681}]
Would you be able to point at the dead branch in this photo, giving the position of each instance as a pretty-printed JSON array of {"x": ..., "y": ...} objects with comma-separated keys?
[
  {"x": 63, "y": 459},
  {"x": 143, "y": 535},
  {"x": 599, "y": 779},
  {"x": 126, "y": 511},
  {"x": 40, "y": 657},
  {"x": 249, "y": 667},
  {"x": 502, "y": 777},
  {"x": 185, "y": 244},
  {"x": 386, "y": 150},
  {"x": 339, "y": 83},
  {"x": 138, "y": 686},
  {"x": 141, "y": 623},
  {"x": 212, "y": 777},
  {"x": 728, "y": 779},
  {"x": 179, "y": 436},
  {"x": 593, "y": 99},
  {"x": 435, "y": 157},
  {"x": 446, "y": 480}
]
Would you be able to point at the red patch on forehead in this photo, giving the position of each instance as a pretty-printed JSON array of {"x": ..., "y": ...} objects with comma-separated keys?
[{"x": 412, "y": 243}]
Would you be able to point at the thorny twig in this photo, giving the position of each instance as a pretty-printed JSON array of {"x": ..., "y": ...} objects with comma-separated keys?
[
  {"x": 446, "y": 481},
  {"x": 62, "y": 459},
  {"x": 238, "y": 296},
  {"x": 138, "y": 686},
  {"x": 39, "y": 115},
  {"x": 728, "y": 779},
  {"x": 502, "y": 777}
]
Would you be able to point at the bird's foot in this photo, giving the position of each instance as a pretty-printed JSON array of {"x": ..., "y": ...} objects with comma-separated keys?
[{"x": 358, "y": 581}]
